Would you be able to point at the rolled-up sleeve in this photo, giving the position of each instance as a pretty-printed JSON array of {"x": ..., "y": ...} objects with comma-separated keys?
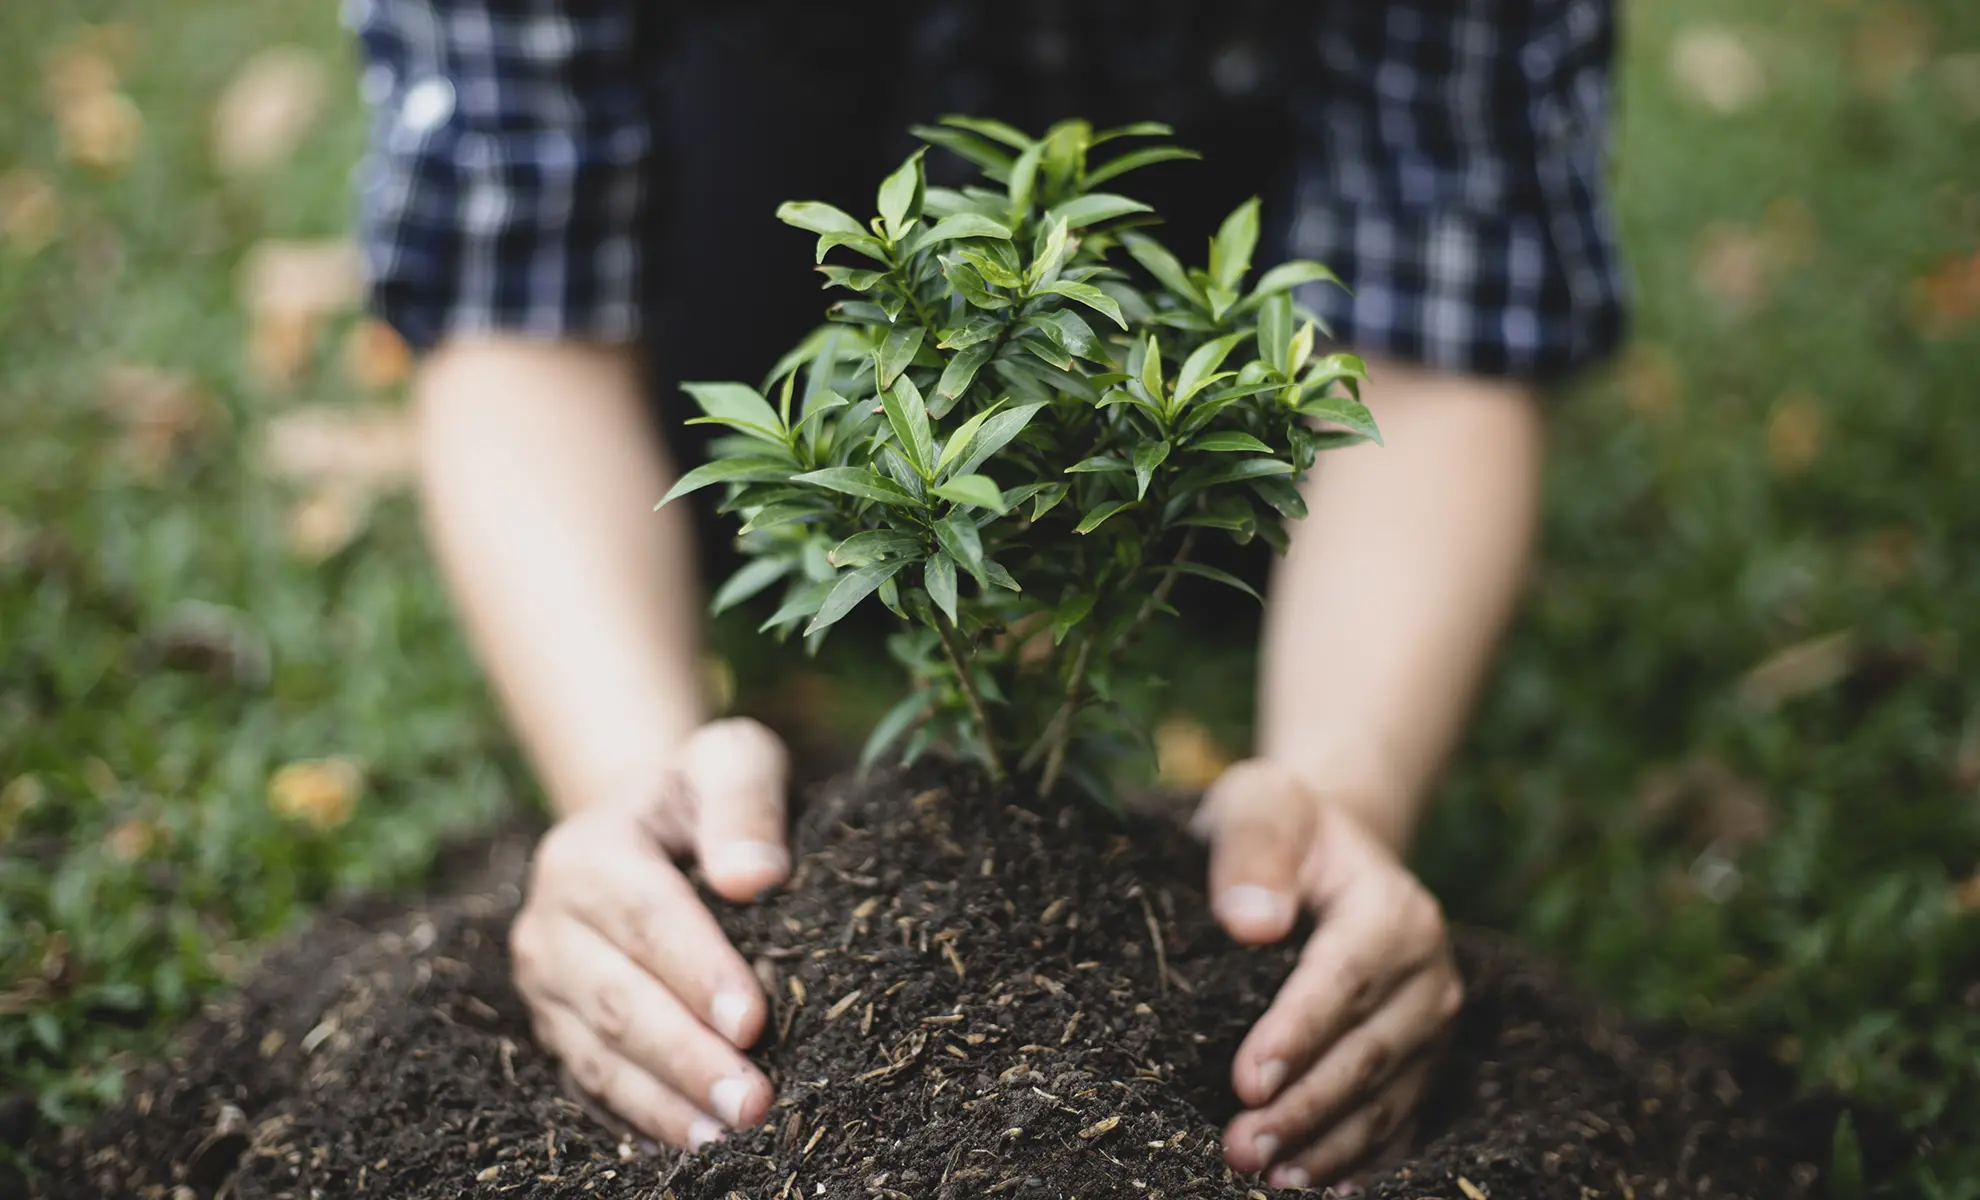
[{"x": 504, "y": 185}]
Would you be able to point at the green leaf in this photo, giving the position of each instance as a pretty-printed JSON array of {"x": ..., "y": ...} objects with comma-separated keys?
[
  {"x": 1335, "y": 366},
  {"x": 862, "y": 482},
  {"x": 800, "y": 602},
  {"x": 960, "y": 539},
  {"x": 815, "y": 409},
  {"x": 1164, "y": 266},
  {"x": 865, "y": 243},
  {"x": 1048, "y": 498},
  {"x": 819, "y": 218},
  {"x": 852, "y": 587},
  {"x": 994, "y": 272},
  {"x": 783, "y": 513},
  {"x": 997, "y": 433},
  {"x": 1275, "y": 331},
  {"x": 1024, "y": 178},
  {"x": 1093, "y": 209},
  {"x": 959, "y": 441},
  {"x": 962, "y": 369},
  {"x": 1069, "y": 613},
  {"x": 1347, "y": 413},
  {"x": 1099, "y": 516},
  {"x": 898, "y": 720},
  {"x": 1137, "y": 129},
  {"x": 727, "y": 470},
  {"x": 999, "y": 577},
  {"x": 1090, "y": 296},
  {"x": 1099, "y": 464},
  {"x": 1248, "y": 468},
  {"x": 1045, "y": 346},
  {"x": 870, "y": 546},
  {"x": 1228, "y": 441},
  {"x": 1151, "y": 371},
  {"x": 994, "y": 162},
  {"x": 1224, "y": 577},
  {"x": 976, "y": 329},
  {"x": 1068, "y": 330},
  {"x": 1283, "y": 496},
  {"x": 902, "y": 195},
  {"x": 978, "y": 490},
  {"x": 750, "y": 580},
  {"x": 1134, "y": 160},
  {"x": 1287, "y": 276},
  {"x": 1147, "y": 457},
  {"x": 996, "y": 131},
  {"x": 971, "y": 285},
  {"x": 938, "y": 574},
  {"x": 902, "y": 344},
  {"x": 963, "y": 225},
  {"x": 1051, "y": 258},
  {"x": 849, "y": 277},
  {"x": 734, "y": 403},
  {"x": 1231, "y": 249},
  {"x": 1197, "y": 369},
  {"x": 1299, "y": 349}
]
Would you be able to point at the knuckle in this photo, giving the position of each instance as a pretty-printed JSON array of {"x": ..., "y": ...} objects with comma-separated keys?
[
  {"x": 1451, "y": 1002},
  {"x": 612, "y": 1011},
  {"x": 1373, "y": 1067},
  {"x": 591, "y": 1072}
]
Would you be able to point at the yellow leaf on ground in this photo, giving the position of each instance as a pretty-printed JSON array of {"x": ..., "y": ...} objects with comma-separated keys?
[
  {"x": 130, "y": 839},
  {"x": 1714, "y": 67},
  {"x": 280, "y": 348},
  {"x": 160, "y": 411},
  {"x": 1800, "y": 670},
  {"x": 267, "y": 109},
  {"x": 30, "y": 211},
  {"x": 370, "y": 449},
  {"x": 375, "y": 356},
  {"x": 1730, "y": 269},
  {"x": 1945, "y": 302},
  {"x": 1186, "y": 755},
  {"x": 1796, "y": 429},
  {"x": 101, "y": 130},
  {"x": 321, "y": 793}
]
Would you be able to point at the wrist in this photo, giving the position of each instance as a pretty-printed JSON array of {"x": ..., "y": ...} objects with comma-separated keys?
[{"x": 1357, "y": 778}]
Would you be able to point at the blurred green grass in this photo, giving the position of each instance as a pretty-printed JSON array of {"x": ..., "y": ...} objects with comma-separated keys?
[{"x": 1788, "y": 452}]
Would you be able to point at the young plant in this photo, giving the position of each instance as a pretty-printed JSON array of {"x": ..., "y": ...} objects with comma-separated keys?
[{"x": 1016, "y": 443}]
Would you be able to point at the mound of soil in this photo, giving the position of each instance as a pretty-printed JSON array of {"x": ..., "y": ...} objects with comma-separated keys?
[{"x": 971, "y": 998}]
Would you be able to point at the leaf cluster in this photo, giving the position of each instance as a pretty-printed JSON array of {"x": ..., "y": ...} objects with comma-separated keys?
[{"x": 1019, "y": 421}]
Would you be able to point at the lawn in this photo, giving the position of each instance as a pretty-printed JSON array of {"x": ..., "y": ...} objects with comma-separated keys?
[{"x": 1729, "y": 767}]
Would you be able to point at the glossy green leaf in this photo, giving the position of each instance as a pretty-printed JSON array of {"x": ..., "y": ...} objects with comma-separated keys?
[
  {"x": 1287, "y": 276},
  {"x": 819, "y": 218},
  {"x": 727, "y": 470},
  {"x": 1024, "y": 181},
  {"x": 902, "y": 344},
  {"x": 1069, "y": 613},
  {"x": 902, "y": 194},
  {"x": 1069, "y": 330},
  {"x": 963, "y": 225},
  {"x": 1299, "y": 349},
  {"x": 800, "y": 602},
  {"x": 965, "y": 435},
  {"x": 978, "y": 490},
  {"x": 749, "y": 581},
  {"x": 1282, "y": 495},
  {"x": 999, "y": 577},
  {"x": 1349, "y": 414},
  {"x": 1089, "y": 295},
  {"x": 1147, "y": 457},
  {"x": 996, "y": 131},
  {"x": 1136, "y": 129},
  {"x": 734, "y": 402},
  {"x": 861, "y": 482},
  {"x": 1202, "y": 571},
  {"x": 1275, "y": 320},
  {"x": 1198, "y": 369},
  {"x": 852, "y": 587},
  {"x": 1228, "y": 441},
  {"x": 1051, "y": 259},
  {"x": 997, "y": 433},
  {"x": 849, "y": 277},
  {"x": 962, "y": 369},
  {"x": 1134, "y": 160},
  {"x": 994, "y": 162},
  {"x": 1048, "y": 498},
  {"x": 1164, "y": 266},
  {"x": 899, "y": 719},
  {"x": 1232, "y": 248},
  {"x": 873, "y": 545},
  {"x": 1151, "y": 371},
  {"x": 1100, "y": 515},
  {"x": 1094, "y": 209},
  {"x": 971, "y": 285},
  {"x": 864, "y": 243},
  {"x": 961, "y": 541},
  {"x": 976, "y": 329},
  {"x": 938, "y": 575},
  {"x": 994, "y": 272}
]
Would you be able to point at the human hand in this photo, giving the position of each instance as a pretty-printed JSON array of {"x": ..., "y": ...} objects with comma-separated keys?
[
  {"x": 627, "y": 976},
  {"x": 1332, "y": 1073}
]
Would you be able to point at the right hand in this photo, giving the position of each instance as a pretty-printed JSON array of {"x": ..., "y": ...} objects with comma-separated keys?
[{"x": 627, "y": 976}]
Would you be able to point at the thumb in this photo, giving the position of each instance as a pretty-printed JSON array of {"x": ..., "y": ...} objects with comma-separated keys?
[
  {"x": 735, "y": 772},
  {"x": 1258, "y": 819}
]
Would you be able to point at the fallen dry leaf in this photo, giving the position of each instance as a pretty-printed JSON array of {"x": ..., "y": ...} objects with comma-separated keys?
[
  {"x": 1652, "y": 385},
  {"x": 1891, "y": 45},
  {"x": 101, "y": 130},
  {"x": 1714, "y": 67},
  {"x": 328, "y": 519},
  {"x": 1710, "y": 802},
  {"x": 1730, "y": 269},
  {"x": 280, "y": 349},
  {"x": 371, "y": 449},
  {"x": 375, "y": 356},
  {"x": 1959, "y": 76},
  {"x": 160, "y": 412},
  {"x": 1943, "y": 303},
  {"x": 75, "y": 71},
  {"x": 1796, "y": 429},
  {"x": 321, "y": 793},
  {"x": 1186, "y": 755},
  {"x": 130, "y": 840},
  {"x": 1800, "y": 670},
  {"x": 267, "y": 109},
  {"x": 30, "y": 211},
  {"x": 303, "y": 278}
]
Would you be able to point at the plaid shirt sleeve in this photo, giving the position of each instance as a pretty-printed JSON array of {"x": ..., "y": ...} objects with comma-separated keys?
[{"x": 504, "y": 185}]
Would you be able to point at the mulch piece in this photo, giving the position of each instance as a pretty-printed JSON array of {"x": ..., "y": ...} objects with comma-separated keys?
[{"x": 971, "y": 997}]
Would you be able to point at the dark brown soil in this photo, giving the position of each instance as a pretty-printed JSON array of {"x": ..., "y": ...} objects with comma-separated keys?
[{"x": 971, "y": 999}]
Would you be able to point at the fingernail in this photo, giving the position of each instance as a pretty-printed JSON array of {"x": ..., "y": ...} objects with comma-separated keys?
[
  {"x": 749, "y": 858},
  {"x": 1345, "y": 1188},
  {"x": 1249, "y": 904},
  {"x": 1292, "y": 1177},
  {"x": 703, "y": 1132},
  {"x": 1271, "y": 1074},
  {"x": 1265, "y": 1145},
  {"x": 728, "y": 1013},
  {"x": 728, "y": 1098}
]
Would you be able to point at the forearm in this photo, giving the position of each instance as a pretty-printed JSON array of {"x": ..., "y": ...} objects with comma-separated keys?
[
  {"x": 540, "y": 472},
  {"x": 1385, "y": 613}
]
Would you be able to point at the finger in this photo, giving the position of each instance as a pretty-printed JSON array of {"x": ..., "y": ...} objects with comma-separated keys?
[
  {"x": 638, "y": 901},
  {"x": 642, "y": 1022},
  {"x": 1394, "y": 1153},
  {"x": 1355, "y": 1143},
  {"x": 650, "y": 1106},
  {"x": 1260, "y": 821},
  {"x": 1361, "y": 1065},
  {"x": 1373, "y": 939},
  {"x": 735, "y": 772}
]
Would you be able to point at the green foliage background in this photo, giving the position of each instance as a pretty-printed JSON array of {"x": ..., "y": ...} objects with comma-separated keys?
[{"x": 1788, "y": 452}]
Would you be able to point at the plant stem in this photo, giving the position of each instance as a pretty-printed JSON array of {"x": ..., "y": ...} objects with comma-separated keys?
[
  {"x": 993, "y": 758},
  {"x": 1161, "y": 593},
  {"x": 1058, "y": 735}
]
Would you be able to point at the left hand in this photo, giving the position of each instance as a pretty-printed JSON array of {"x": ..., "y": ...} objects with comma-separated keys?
[{"x": 1332, "y": 1073}]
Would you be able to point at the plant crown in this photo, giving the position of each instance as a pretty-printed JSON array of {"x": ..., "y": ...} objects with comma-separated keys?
[{"x": 1016, "y": 444}]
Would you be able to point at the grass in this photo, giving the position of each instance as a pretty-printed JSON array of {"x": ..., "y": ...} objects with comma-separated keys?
[{"x": 1786, "y": 454}]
